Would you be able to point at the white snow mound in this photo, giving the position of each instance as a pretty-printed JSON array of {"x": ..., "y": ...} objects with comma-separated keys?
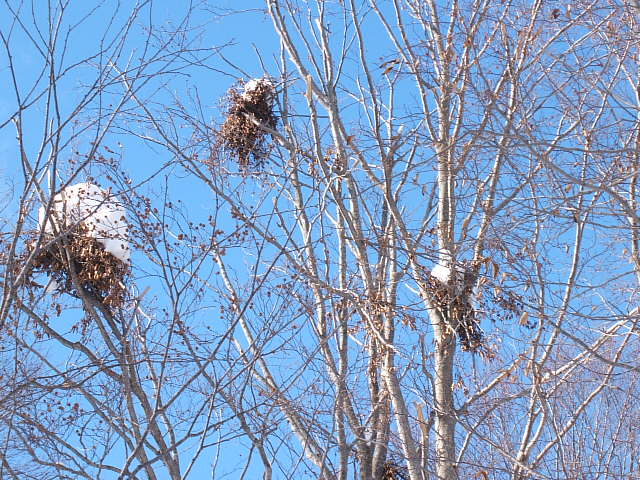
[
  {"x": 94, "y": 207},
  {"x": 441, "y": 272},
  {"x": 254, "y": 83}
]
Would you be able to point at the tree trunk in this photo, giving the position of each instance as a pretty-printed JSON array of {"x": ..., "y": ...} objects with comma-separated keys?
[{"x": 445, "y": 415}]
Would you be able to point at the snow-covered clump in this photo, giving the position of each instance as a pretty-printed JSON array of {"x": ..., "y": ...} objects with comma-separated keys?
[
  {"x": 464, "y": 281},
  {"x": 453, "y": 293},
  {"x": 441, "y": 272},
  {"x": 254, "y": 84},
  {"x": 93, "y": 207},
  {"x": 251, "y": 85},
  {"x": 250, "y": 115}
]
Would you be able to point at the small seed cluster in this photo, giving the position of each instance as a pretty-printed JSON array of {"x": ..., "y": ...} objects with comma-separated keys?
[
  {"x": 98, "y": 272},
  {"x": 240, "y": 135}
]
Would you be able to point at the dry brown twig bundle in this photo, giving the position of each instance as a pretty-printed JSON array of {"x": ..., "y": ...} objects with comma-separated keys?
[
  {"x": 99, "y": 272},
  {"x": 85, "y": 246},
  {"x": 395, "y": 471},
  {"x": 242, "y": 134},
  {"x": 452, "y": 294}
]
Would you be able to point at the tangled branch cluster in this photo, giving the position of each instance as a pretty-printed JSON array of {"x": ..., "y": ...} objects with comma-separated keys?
[
  {"x": 99, "y": 272},
  {"x": 454, "y": 300},
  {"x": 242, "y": 134},
  {"x": 393, "y": 471}
]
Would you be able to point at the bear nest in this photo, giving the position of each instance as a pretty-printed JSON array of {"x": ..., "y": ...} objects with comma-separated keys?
[
  {"x": 241, "y": 133},
  {"x": 98, "y": 272}
]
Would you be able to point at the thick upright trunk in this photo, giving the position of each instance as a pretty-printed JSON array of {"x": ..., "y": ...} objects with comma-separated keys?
[
  {"x": 445, "y": 420},
  {"x": 444, "y": 328}
]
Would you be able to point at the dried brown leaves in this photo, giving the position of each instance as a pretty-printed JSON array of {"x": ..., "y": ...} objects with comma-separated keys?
[
  {"x": 394, "y": 471},
  {"x": 98, "y": 272},
  {"x": 454, "y": 300},
  {"x": 241, "y": 133}
]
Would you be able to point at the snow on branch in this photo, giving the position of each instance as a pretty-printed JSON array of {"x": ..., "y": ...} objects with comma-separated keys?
[
  {"x": 87, "y": 247},
  {"x": 93, "y": 207}
]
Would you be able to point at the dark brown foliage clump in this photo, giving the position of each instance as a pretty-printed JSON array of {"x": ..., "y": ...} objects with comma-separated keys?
[
  {"x": 454, "y": 300},
  {"x": 98, "y": 272},
  {"x": 240, "y": 135},
  {"x": 393, "y": 471}
]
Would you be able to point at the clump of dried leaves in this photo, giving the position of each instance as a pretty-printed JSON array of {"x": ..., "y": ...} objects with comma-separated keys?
[
  {"x": 393, "y": 471},
  {"x": 454, "y": 300},
  {"x": 241, "y": 134},
  {"x": 456, "y": 297},
  {"x": 98, "y": 272}
]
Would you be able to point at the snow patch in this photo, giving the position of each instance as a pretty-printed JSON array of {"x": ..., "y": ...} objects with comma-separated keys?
[
  {"x": 97, "y": 210},
  {"x": 441, "y": 272},
  {"x": 442, "y": 269},
  {"x": 253, "y": 84}
]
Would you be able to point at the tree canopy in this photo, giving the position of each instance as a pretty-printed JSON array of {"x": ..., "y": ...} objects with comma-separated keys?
[{"x": 334, "y": 240}]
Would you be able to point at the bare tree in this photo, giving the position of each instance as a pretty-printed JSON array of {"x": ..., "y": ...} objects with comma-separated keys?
[{"x": 418, "y": 256}]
